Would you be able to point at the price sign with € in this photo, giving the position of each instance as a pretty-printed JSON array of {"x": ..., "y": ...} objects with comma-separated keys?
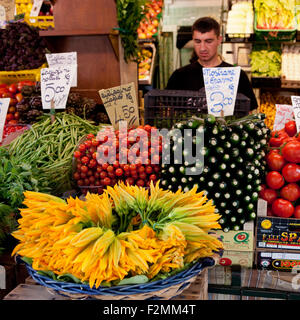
[{"x": 121, "y": 105}]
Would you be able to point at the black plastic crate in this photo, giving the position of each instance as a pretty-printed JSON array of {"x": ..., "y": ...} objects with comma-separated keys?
[{"x": 164, "y": 108}]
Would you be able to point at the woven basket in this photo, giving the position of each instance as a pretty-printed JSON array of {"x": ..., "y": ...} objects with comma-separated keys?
[{"x": 157, "y": 290}]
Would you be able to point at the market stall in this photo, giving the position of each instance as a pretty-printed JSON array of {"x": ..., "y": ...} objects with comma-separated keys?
[{"x": 112, "y": 187}]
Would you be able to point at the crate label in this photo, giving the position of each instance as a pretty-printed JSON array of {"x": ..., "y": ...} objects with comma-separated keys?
[
  {"x": 241, "y": 258},
  {"x": 284, "y": 113},
  {"x": 121, "y": 105},
  {"x": 57, "y": 60},
  {"x": 2, "y": 278},
  {"x": 278, "y": 261},
  {"x": 278, "y": 233},
  {"x": 221, "y": 88},
  {"x": 4, "y": 104},
  {"x": 236, "y": 240},
  {"x": 296, "y": 108},
  {"x": 55, "y": 86}
]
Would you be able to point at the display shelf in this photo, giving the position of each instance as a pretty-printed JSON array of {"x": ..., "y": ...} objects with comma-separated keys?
[{"x": 88, "y": 28}]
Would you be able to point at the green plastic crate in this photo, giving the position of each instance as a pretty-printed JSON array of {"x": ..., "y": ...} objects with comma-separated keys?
[{"x": 274, "y": 34}]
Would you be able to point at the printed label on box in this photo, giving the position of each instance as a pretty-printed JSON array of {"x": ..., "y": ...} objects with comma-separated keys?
[
  {"x": 241, "y": 258},
  {"x": 277, "y": 261},
  {"x": 237, "y": 240},
  {"x": 278, "y": 233}
]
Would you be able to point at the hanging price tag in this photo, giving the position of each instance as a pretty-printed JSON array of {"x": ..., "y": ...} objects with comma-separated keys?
[
  {"x": 284, "y": 113},
  {"x": 58, "y": 60},
  {"x": 221, "y": 88},
  {"x": 55, "y": 85},
  {"x": 36, "y": 8},
  {"x": 4, "y": 103},
  {"x": 121, "y": 105},
  {"x": 296, "y": 108}
]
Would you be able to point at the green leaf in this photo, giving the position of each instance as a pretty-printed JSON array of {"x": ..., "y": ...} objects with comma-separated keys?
[{"x": 134, "y": 280}]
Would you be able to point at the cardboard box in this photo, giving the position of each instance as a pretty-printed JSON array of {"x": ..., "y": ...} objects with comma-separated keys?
[
  {"x": 279, "y": 234},
  {"x": 280, "y": 261},
  {"x": 238, "y": 247}
]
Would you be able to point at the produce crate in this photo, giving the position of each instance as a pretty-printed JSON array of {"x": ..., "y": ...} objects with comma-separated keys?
[
  {"x": 9, "y": 77},
  {"x": 239, "y": 37},
  {"x": 163, "y": 108},
  {"x": 147, "y": 80},
  {"x": 274, "y": 34},
  {"x": 295, "y": 84},
  {"x": 266, "y": 82},
  {"x": 41, "y": 22}
]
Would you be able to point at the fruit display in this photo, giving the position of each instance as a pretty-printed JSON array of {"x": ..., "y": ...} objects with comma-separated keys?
[
  {"x": 129, "y": 234},
  {"x": 21, "y": 47},
  {"x": 14, "y": 92},
  {"x": 234, "y": 165},
  {"x": 149, "y": 25},
  {"x": 135, "y": 159},
  {"x": 281, "y": 187},
  {"x": 268, "y": 103},
  {"x": 240, "y": 19},
  {"x": 275, "y": 14},
  {"x": 146, "y": 59},
  {"x": 290, "y": 62},
  {"x": 265, "y": 63}
]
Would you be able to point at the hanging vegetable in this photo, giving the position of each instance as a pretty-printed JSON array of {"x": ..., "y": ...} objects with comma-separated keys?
[{"x": 129, "y": 15}]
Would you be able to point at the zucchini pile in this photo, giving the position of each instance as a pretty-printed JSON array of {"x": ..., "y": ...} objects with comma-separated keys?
[{"x": 234, "y": 165}]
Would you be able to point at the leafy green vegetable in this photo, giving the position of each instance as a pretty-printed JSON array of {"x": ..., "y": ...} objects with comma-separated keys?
[
  {"x": 129, "y": 15},
  {"x": 265, "y": 63},
  {"x": 134, "y": 280}
]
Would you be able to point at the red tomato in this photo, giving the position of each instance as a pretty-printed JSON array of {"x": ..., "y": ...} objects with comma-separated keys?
[
  {"x": 268, "y": 194},
  {"x": 275, "y": 161},
  {"x": 290, "y": 192},
  {"x": 9, "y": 117},
  {"x": 85, "y": 160},
  {"x": 12, "y": 88},
  {"x": 291, "y": 151},
  {"x": 282, "y": 208},
  {"x": 290, "y": 128},
  {"x": 274, "y": 180},
  {"x": 19, "y": 97},
  {"x": 277, "y": 138},
  {"x": 77, "y": 154},
  {"x": 291, "y": 172},
  {"x": 297, "y": 212}
]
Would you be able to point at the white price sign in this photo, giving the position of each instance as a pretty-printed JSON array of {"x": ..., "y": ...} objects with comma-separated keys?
[
  {"x": 4, "y": 104},
  {"x": 296, "y": 108},
  {"x": 55, "y": 86},
  {"x": 57, "y": 60},
  {"x": 221, "y": 88},
  {"x": 284, "y": 113}
]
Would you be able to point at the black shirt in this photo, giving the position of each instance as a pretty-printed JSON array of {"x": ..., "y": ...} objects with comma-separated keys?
[{"x": 190, "y": 77}]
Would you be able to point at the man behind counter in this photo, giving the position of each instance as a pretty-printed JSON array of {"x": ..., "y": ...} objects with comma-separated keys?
[{"x": 206, "y": 38}]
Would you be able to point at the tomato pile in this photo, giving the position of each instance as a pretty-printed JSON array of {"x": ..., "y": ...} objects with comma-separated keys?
[
  {"x": 93, "y": 173},
  {"x": 13, "y": 91},
  {"x": 8, "y": 129},
  {"x": 281, "y": 189}
]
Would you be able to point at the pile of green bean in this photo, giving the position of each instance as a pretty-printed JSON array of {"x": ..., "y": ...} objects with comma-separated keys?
[{"x": 49, "y": 146}]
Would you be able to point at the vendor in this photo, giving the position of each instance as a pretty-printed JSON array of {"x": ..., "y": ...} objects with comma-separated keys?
[{"x": 206, "y": 39}]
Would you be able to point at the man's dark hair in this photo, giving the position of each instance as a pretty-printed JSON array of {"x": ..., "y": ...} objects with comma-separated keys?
[{"x": 206, "y": 24}]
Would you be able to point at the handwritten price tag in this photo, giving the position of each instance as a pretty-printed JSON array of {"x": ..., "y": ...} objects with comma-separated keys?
[
  {"x": 296, "y": 108},
  {"x": 221, "y": 88},
  {"x": 55, "y": 85},
  {"x": 284, "y": 113},
  {"x": 4, "y": 103},
  {"x": 121, "y": 105},
  {"x": 57, "y": 60}
]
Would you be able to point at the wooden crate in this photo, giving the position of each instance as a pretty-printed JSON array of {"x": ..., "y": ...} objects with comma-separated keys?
[{"x": 294, "y": 84}]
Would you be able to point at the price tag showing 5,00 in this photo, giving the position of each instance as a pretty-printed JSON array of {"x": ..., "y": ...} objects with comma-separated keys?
[
  {"x": 121, "y": 105},
  {"x": 55, "y": 85},
  {"x": 4, "y": 103}
]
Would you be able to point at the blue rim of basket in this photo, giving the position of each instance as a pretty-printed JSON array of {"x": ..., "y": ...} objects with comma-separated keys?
[{"x": 75, "y": 288}]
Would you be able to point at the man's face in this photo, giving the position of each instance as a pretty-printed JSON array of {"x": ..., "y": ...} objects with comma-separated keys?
[{"x": 206, "y": 45}]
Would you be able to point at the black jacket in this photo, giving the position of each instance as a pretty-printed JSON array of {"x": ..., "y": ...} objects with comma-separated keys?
[{"x": 190, "y": 77}]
